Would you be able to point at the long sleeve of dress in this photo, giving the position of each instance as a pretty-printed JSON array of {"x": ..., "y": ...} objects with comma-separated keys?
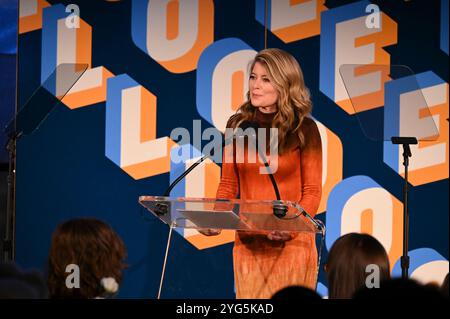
[
  {"x": 229, "y": 181},
  {"x": 228, "y": 186},
  {"x": 311, "y": 167}
]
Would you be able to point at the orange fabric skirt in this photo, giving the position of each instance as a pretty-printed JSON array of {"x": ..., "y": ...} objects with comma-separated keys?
[{"x": 262, "y": 266}]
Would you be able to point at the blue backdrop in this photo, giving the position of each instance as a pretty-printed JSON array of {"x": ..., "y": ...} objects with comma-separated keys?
[{"x": 65, "y": 169}]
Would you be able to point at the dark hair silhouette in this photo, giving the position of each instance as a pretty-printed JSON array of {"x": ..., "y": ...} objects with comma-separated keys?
[
  {"x": 445, "y": 288},
  {"x": 400, "y": 289},
  {"x": 296, "y": 292},
  {"x": 347, "y": 264},
  {"x": 94, "y": 247},
  {"x": 18, "y": 284}
]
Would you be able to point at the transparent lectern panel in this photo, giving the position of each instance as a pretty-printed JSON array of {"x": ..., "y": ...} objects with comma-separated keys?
[
  {"x": 249, "y": 215},
  {"x": 34, "y": 111},
  {"x": 388, "y": 102}
]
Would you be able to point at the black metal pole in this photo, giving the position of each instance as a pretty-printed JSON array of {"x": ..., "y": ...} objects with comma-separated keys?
[
  {"x": 9, "y": 240},
  {"x": 405, "y": 141},
  {"x": 10, "y": 221},
  {"x": 405, "y": 258}
]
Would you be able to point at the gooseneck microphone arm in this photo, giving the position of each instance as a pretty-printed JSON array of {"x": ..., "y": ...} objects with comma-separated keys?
[
  {"x": 244, "y": 125},
  {"x": 279, "y": 209},
  {"x": 179, "y": 178},
  {"x": 163, "y": 208},
  {"x": 272, "y": 179}
]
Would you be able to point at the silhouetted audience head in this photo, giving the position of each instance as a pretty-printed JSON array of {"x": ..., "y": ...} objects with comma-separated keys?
[
  {"x": 296, "y": 292},
  {"x": 348, "y": 260},
  {"x": 400, "y": 289},
  {"x": 18, "y": 284},
  {"x": 445, "y": 288},
  {"x": 92, "y": 247}
]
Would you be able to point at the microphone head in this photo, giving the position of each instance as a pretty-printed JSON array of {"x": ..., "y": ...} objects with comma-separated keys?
[{"x": 280, "y": 210}]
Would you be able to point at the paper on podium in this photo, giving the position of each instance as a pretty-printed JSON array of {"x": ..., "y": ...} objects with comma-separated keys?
[{"x": 212, "y": 218}]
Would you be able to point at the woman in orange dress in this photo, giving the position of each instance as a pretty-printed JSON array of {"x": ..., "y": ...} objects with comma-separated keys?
[{"x": 265, "y": 262}]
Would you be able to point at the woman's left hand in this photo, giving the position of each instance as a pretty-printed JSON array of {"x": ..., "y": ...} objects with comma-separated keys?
[{"x": 277, "y": 235}]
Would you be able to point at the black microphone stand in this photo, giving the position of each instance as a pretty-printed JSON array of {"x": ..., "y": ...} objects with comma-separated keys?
[
  {"x": 162, "y": 207},
  {"x": 8, "y": 246},
  {"x": 279, "y": 209},
  {"x": 179, "y": 178},
  {"x": 406, "y": 142},
  {"x": 26, "y": 120}
]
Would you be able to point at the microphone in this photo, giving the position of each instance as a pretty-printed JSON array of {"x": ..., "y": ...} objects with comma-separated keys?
[
  {"x": 244, "y": 125},
  {"x": 279, "y": 209}
]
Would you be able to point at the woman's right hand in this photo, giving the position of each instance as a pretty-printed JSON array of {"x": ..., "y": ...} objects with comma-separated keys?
[{"x": 209, "y": 231}]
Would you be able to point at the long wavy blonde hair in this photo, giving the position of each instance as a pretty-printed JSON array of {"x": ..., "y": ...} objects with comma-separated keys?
[{"x": 293, "y": 103}]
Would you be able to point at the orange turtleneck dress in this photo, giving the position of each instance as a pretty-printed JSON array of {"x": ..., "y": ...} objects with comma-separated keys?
[{"x": 263, "y": 266}]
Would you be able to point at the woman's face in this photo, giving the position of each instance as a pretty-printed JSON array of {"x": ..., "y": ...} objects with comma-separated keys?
[{"x": 262, "y": 92}]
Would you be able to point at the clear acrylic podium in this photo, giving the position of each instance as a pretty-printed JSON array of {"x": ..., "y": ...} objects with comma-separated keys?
[{"x": 233, "y": 214}]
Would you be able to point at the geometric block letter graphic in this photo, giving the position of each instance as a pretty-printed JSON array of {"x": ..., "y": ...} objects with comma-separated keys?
[
  {"x": 358, "y": 204},
  {"x": 130, "y": 137},
  {"x": 332, "y": 160},
  {"x": 349, "y": 36},
  {"x": 418, "y": 106},
  {"x": 427, "y": 266},
  {"x": 30, "y": 14},
  {"x": 202, "y": 182},
  {"x": 291, "y": 20},
  {"x": 173, "y": 33},
  {"x": 64, "y": 43},
  {"x": 222, "y": 80}
]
